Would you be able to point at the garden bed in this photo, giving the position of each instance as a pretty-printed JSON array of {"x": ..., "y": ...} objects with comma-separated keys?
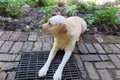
[{"x": 35, "y": 16}]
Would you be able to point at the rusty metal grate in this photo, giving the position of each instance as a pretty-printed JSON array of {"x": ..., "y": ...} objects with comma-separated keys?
[{"x": 31, "y": 62}]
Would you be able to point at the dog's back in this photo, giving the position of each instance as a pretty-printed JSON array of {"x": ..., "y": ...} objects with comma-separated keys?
[{"x": 77, "y": 25}]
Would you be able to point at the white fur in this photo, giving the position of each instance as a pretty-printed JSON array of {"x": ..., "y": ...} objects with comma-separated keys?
[
  {"x": 58, "y": 73},
  {"x": 75, "y": 26},
  {"x": 57, "y": 19},
  {"x": 83, "y": 25},
  {"x": 44, "y": 69}
]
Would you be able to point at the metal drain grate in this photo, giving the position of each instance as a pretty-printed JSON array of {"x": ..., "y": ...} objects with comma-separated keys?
[{"x": 31, "y": 62}]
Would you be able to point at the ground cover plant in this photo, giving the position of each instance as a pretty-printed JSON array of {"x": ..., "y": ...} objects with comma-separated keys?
[
  {"x": 27, "y": 15},
  {"x": 105, "y": 20},
  {"x": 101, "y": 18}
]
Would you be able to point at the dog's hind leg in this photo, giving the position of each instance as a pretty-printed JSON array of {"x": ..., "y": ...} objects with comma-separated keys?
[{"x": 43, "y": 71}]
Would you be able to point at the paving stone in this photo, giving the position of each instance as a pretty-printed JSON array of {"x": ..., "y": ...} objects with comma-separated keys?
[
  {"x": 117, "y": 39},
  {"x": 99, "y": 48},
  {"x": 90, "y": 57},
  {"x": 15, "y": 36},
  {"x": 8, "y": 65},
  {"x": 98, "y": 38},
  {"x": 6, "y": 35},
  {"x": 37, "y": 46},
  {"x": 7, "y": 57},
  {"x": 113, "y": 73},
  {"x": 46, "y": 46},
  {"x": 104, "y": 74},
  {"x": 3, "y": 75},
  {"x": 32, "y": 36},
  {"x": 105, "y": 39},
  {"x": 81, "y": 66},
  {"x": 1, "y": 33},
  {"x": 115, "y": 60},
  {"x": 45, "y": 38},
  {"x": 81, "y": 39},
  {"x": 11, "y": 75},
  {"x": 47, "y": 41},
  {"x": 118, "y": 56},
  {"x": 107, "y": 64},
  {"x": 27, "y": 46},
  {"x": 109, "y": 39},
  {"x": 82, "y": 48},
  {"x": 117, "y": 74},
  {"x": 75, "y": 49},
  {"x": 90, "y": 48},
  {"x": 6, "y": 46},
  {"x": 91, "y": 71},
  {"x": 23, "y": 36},
  {"x": 84, "y": 74},
  {"x": 114, "y": 48},
  {"x": 89, "y": 39},
  {"x": 39, "y": 35},
  {"x": 79, "y": 62},
  {"x": 18, "y": 57},
  {"x": 16, "y": 47},
  {"x": 104, "y": 57},
  {"x": 107, "y": 48},
  {"x": 118, "y": 45},
  {"x": 1, "y": 42},
  {"x": 48, "y": 38}
]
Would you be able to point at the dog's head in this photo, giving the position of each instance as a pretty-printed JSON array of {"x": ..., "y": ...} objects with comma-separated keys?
[{"x": 55, "y": 25}]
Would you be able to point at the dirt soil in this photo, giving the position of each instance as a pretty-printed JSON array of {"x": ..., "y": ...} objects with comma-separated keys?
[
  {"x": 29, "y": 23},
  {"x": 25, "y": 23}
]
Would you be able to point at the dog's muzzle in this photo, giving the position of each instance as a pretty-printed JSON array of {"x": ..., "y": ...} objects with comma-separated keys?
[{"x": 44, "y": 28}]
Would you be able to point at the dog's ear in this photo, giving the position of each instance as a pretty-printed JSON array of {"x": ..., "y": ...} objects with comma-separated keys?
[{"x": 62, "y": 28}]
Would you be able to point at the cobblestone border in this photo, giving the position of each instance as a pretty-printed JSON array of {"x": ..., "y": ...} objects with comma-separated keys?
[{"x": 98, "y": 57}]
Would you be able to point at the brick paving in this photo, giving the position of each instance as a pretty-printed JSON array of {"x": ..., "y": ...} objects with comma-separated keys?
[{"x": 96, "y": 60}]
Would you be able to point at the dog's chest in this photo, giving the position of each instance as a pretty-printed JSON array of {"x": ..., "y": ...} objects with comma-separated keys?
[{"x": 62, "y": 43}]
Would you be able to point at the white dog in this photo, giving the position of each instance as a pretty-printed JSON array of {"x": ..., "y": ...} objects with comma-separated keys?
[{"x": 66, "y": 32}]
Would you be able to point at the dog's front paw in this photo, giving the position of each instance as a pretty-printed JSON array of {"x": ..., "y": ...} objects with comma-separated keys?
[
  {"x": 42, "y": 72},
  {"x": 57, "y": 75}
]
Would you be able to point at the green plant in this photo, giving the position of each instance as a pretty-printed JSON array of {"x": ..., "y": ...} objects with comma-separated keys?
[
  {"x": 14, "y": 8},
  {"x": 83, "y": 8},
  {"x": 11, "y": 8},
  {"x": 86, "y": 8},
  {"x": 8, "y": 19},
  {"x": 89, "y": 20},
  {"x": 46, "y": 2},
  {"x": 48, "y": 11},
  {"x": 70, "y": 2},
  {"x": 45, "y": 18},
  {"x": 45, "y": 9},
  {"x": 71, "y": 10},
  {"x": 3, "y": 5},
  {"x": 107, "y": 17},
  {"x": 32, "y": 3}
]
